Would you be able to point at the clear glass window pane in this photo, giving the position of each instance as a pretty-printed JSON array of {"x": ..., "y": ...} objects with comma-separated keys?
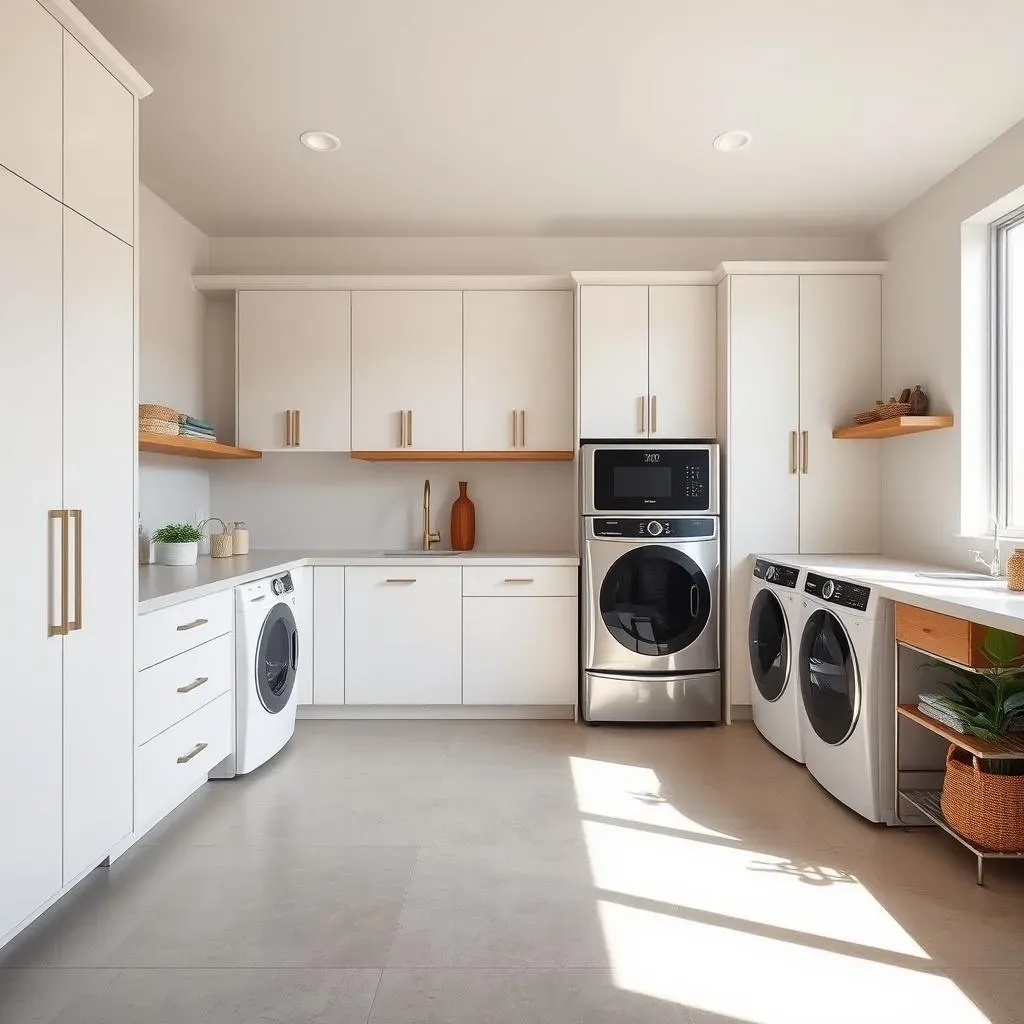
[{"x": 1014, "y": 370}]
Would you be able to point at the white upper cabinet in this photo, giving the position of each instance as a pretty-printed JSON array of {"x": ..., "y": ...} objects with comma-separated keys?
[
  {"x": 294, "y": 359},
  {"x": 407, "y": 370},
  {"x": 613, "y": 361},
  {"x": 99, "y": 143},
  {"x": 518, "y": 363},
  {"x": 840, "y": 372},
  {"x": 30, "y": 94},
  {"x": 682, "y": 361}
]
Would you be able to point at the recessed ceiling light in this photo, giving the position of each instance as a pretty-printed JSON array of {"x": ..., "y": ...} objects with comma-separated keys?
[
  {"x": 732, "y": 142},
  {"x": 320, "y": 142}
]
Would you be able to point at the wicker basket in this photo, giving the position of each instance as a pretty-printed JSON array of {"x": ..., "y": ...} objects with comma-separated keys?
[
  {"x": 147, "y": 426},
  {"x": 986, "y": 809},
  {"x": 891, "y": 409},
  {"x": 865, "y": 417},
  {"x": 158, "y": 412}
]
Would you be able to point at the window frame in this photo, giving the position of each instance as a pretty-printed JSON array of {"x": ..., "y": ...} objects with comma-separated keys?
[{"x": 1000, "y": 358}]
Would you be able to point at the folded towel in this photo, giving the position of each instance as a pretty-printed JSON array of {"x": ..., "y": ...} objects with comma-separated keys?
[
  {"x": 196, "y": 430},
  {"x": 197, "y": 435},
  {"x": 192, "y": 421}
]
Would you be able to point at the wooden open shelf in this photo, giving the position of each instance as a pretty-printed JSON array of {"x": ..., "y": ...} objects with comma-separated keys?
[
  {"x": 898, "y": 426},
  {"x": 1010, "y": 748},
  {"x": 514, "y": 455},
  {"x": 188, "y": 447}
]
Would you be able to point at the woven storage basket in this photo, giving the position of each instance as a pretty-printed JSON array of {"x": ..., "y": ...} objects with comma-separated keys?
[
  {"x": 158, "y": 412},
  {"x": 865, "y": 417},
  {"x": 987, "y": 809},
  {"x": 147, "y": 426},
  {"x": 892, "y": 409}
]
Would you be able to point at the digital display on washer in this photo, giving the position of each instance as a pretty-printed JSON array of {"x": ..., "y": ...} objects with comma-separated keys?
[
  {"x": 841, "y": 592},
  {"x": 778, "y": 575},
  {"x": 641, "y": 482},
  {"x": 686, "y": 528}
]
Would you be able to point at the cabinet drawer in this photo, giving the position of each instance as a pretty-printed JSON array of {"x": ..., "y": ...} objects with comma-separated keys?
[
  {"x": 168, "y": 692},
  {"x": 942, "y": 635},
  {"x": 519, "y": 581},
  {"x": 170, "y": 631},
  {"x": 172, "y": 763}
]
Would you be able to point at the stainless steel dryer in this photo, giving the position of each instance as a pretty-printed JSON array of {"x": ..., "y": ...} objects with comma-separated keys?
[{"x": 650, "y": 585}]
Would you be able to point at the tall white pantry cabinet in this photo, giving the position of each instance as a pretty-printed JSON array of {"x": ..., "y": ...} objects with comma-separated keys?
[
  {"x": 68, "y": 201},
  {"x": 799, "y": 353}
]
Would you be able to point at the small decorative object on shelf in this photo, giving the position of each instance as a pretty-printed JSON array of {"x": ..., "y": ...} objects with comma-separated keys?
[
  {"x": 905, "y": 395},
  {"x": 178, "y": 544},
  {"x": 1015, "y": 571},
  {"x": 918, "y": 402},
  {"x": 240, "y": 536},
  {"x": 891, "y": 409},
  {"x": 463, "y": 531},
  {"x": 221, "y": 544}
]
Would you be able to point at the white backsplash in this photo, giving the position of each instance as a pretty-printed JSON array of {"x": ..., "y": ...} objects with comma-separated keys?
[{"x": 331, "y": 501}]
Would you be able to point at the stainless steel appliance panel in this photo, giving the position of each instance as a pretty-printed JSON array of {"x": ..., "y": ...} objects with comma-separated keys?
[{"x": 610, "y": 697}]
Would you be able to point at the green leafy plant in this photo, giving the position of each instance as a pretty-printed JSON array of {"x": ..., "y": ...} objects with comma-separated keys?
[
  {"x": 178, "y": 533},
  {"x": 990, "y": 702}
]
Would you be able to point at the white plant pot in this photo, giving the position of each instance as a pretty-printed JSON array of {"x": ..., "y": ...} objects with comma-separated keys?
[{"x": 178, "y": 554}]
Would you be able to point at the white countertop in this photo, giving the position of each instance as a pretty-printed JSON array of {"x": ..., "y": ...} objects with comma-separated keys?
[
  {"x": 163, "y": 585},
  {"x": 983, "y": 600}
]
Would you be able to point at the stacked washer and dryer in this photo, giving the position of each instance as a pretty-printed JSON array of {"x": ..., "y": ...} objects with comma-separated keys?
[{"x": 821, "y": 660}]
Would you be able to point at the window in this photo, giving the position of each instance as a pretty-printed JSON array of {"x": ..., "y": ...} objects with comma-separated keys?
[{"x": 1008, "y": 371}]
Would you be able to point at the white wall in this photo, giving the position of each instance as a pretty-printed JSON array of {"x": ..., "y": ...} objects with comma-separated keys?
[
  {"x": 922, "y": 335},
  {"x": 171, "y": 354},
  {"x": 510, "y": 255}
]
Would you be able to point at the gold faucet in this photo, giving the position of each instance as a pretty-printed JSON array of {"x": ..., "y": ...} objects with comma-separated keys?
[{"x": 429, "y": 537}]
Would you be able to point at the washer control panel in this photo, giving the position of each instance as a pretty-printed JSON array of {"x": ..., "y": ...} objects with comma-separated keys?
[
  {"x": 675, "y": 528},
  {"x": 841, "y": 592},
  {"x": 282, "y": 584},
  {"x": 777, "y": 575}
]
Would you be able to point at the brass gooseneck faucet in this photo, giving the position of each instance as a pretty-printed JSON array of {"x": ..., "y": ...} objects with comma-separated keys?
[{"x": 429, "y": 536}]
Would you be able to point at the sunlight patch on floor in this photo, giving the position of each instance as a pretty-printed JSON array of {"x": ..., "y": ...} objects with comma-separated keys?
[{"x": 767, "y": 981}]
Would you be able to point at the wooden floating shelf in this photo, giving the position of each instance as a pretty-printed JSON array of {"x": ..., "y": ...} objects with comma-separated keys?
[
  {"x": 1008, "y": 747},
  {"x": 190, "y": 448},
  {"x": 514, "y": 455},
  {"x": 898, "y": 426}
]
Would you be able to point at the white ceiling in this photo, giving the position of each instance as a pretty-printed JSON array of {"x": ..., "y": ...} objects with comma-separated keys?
[{"x": 562, "y": 117}]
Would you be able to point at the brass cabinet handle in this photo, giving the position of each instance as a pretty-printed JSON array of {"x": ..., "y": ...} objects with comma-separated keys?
[
  {"x": 519, "y": 579},
  {"x": 643, "y": 414},
  {"x": 654, "y": 414},
  {"x": 194, "y": 752},
  {"x": 192, "y": 625},
  {"x": 298, "y": 427},
  {"x": 792, "y": 452},
  {"x": 522, "y": 428},
  {"x": 515, "y": 428},
  {"x": 399, "y": 580},
  {"x": 401, "y": 428},
  {"x": 61, "y": 514},
  {"x": 197, "y": 682},
  {"x": 806, "y": 457},
  {"x": 410, "y": 428},
  {"x": 287, "y": 428},
  {"x": 76, "y": 622}
]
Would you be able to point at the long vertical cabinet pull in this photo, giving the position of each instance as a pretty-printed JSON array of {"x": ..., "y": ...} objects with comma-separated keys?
[
  {"x": 61, "y": 514},
  {"x": 76, "y": 623},
  {"x": 654, "y": 414},
  {"x": 297, "y": 435},
  {"x": 287, "y": 428},
  {"x": 806, "y": 456},
  {"x": 522, "y": 428},
  {"x": 643, "y": 415},
  {"x": 409, "y": 431},
  {"x": 793, "y": 458},
  {"x": 515, "y": 428},
  {"x": 401, "y": 428}
]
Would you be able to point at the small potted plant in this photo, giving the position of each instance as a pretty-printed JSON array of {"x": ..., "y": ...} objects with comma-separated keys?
[
  {"x": 178, "y": 544},
  {"x": 983, "y": 798}
]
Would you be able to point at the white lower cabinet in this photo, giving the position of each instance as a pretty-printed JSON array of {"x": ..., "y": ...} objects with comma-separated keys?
[
  {"x": 329, "y": 631},
  {"x": 303, "y": 580},
  {"x": 403, "y": 635},
  {"x": 519, "y": 650}
]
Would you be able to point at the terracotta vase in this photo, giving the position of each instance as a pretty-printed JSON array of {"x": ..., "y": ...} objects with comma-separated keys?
[{"x": 463, "y": 532}]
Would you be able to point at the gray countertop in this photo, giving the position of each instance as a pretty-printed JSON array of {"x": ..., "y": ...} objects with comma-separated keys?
[{"x": 163, "y": 585}]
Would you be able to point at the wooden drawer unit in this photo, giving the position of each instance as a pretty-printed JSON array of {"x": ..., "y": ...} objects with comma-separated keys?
[
  {"x": 174, "y": 689},
  {"x": 942, "y": 635},
  {"x": 171, "y": 764},
  {"x": 163, "y": 634},
  {"x": 519, "y": 581}
]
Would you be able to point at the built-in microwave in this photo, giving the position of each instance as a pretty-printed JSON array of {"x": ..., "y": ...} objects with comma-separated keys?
[{"x": 679, "y": 479}]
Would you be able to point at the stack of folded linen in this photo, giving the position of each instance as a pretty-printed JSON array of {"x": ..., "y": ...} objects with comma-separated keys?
[{"x": 200, "y": 430}]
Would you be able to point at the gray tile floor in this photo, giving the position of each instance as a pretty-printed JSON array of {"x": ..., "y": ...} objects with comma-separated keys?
[{"x": 412, "y": 873}]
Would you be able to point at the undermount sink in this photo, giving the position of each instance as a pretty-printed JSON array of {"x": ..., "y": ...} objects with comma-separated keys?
[
  {"x": 973, "y": 577},
  {"x": 417, "y": 553}
]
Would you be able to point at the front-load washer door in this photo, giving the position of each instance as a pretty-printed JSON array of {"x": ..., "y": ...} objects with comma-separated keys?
[
  {"x": 277, "y": 657},
  {"x": 656, "y": 606},
  {"x": 830, "y": 684},
  {"x": 768, "y": 635}
]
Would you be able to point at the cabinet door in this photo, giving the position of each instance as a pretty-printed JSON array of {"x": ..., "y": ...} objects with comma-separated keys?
[
  {"x": 519, "y": 650},
  {"x": 30, "y": 684},
  {"x": 294, "y": 356},
  {"x": 613, "y": 361},
  {"x": 763, "y": 488},
  {"x": 403, "y": 635},
  {"x": 99, "y": 461},
  {"x": 304, "y": 616},
  {"x": 407, "y": 361},
  {"x": 840, "y": 371},
  {"x": 682, "y": 361},
  {"x": 518, "y": 359},
  {"x": 99, "y": 142},
  {"x": 30, "y": 94},
  {"x": 329, "y": 629}
]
